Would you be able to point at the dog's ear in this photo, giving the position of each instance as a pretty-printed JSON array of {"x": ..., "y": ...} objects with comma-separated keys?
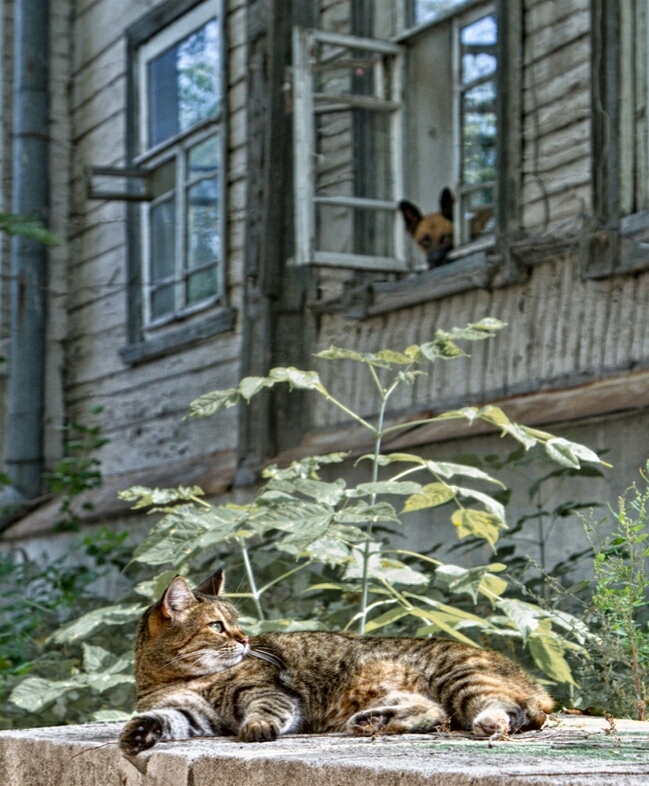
[
  {"x": 446, "y": 202},
  {"x": 411, "y": 215}
]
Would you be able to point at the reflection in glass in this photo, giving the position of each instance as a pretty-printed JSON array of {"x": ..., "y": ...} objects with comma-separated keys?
[
  {"x": 203, "y": 241},
  {"x": 427, "y": 10},
  {"x": 184, "y": 84},
  {"x": 163, "y": 239},
  {"x": 201, "y": 285}
]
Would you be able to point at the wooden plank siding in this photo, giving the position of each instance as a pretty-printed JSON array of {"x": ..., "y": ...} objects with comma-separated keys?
[{"x": 142, "y": 405}]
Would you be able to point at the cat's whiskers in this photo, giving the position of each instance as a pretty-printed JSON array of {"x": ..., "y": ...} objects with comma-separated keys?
[{"x": 267, "y": 656}]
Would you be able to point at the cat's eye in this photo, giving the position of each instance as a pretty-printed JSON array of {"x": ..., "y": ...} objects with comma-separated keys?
[{"x": 219, "y": 627}]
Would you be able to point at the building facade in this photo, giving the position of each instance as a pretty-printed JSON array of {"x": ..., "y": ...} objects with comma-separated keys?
[{"x": 224, "y": 180}]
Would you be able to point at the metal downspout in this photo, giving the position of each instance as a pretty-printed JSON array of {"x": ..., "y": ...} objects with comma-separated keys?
[{"x": 30, "y": 154}]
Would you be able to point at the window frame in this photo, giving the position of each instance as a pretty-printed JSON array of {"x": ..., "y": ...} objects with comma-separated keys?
[
  {"x": 304, "y": 150},
  {"x": 612, "y": 242},
  {"x": 508, "y": 186},
  {"x": 146, "y": 37}
]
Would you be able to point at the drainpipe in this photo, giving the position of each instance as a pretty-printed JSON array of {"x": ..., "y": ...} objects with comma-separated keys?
[{"x": 30, "y": 155}]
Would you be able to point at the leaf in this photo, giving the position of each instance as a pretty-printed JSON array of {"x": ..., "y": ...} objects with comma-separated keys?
[
  {"x": 96, "y": 658},
  {"x": 146, "y": 497},
  {"x": 331, "y": 493},
  {"x": 305, "y": 468},
  {"x": 303, "y": 380},
  {"x": 383, "y": 569},
  {"x": 386, "y": 618},
  {"x": 361, "y": 512},
  {"x": 478, "y": 523},
  {"x": 489, "y": 323},
  {"x": 459, "y": 580},
  {"x": 338, "y": 353},
  {"x": 383, "y": 460},
  {"x": 250, "y": 386},
  {"x": 385, "y": 487},
  {"x": 448, "y": 469},
  {"x": 328, "y": 551},
  {"x": 33, "y": 694},
  {"x": 433, "y": 494},
  {"x": 390, "y": 356},
  {"x": 30, "y": 227},
  {"x": 209, "y": 403},
  {"x": 492, "y": 505},
  {"x": 95, "y": 620},
  {"x": 560, "y": 450},
  {"x": 441, "y": 621},
  {"x": 442, "y": 347},
  {"x": 548, "y": 654},
  {"x": 525, "y": 617},
  {"x": 103, "y": 682}
]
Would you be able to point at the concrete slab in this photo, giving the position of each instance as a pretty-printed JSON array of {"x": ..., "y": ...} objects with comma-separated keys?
[{"x": 571, "y": 751}]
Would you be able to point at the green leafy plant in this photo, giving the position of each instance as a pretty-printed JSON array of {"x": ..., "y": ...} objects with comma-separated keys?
[
  {"x": 333, "y": 543},
  {"x": 77, "y": 471},
  {"x": 614, "y": 677}
]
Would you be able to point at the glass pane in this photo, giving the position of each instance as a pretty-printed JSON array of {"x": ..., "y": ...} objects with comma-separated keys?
[
  {"x": 478, "y": 41},
  {"x": 163, "y": 239},
  {"x": 163, "y": 179},
  {"x": 201, "y": 285},
  {"x": 162, "y": 301},
  {"x": 184, "y": 84},
  {"x": 203, "y": 238},
  {"x": 427, "y": 10},
  {"x": 340, "y": 70},
  {"x": 204, "y": 156},
  {"x": 353, "y": 154},
  {"x": 346, "y": 230},
  {"x": 479, "y": 134},
  {"x": 478, "y": 213}
]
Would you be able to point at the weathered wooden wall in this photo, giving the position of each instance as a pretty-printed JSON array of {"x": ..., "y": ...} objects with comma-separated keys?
[{"x": 142, "y": 405}]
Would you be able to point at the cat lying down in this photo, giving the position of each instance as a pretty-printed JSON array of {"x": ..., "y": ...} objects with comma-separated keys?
[{"x": 199, "y": 675}]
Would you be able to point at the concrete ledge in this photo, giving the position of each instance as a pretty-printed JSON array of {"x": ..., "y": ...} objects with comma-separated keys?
[{"x": 571, "y": 751}]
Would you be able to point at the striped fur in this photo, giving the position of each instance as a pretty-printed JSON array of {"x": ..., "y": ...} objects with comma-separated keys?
[{"x": 199, "y": 675}]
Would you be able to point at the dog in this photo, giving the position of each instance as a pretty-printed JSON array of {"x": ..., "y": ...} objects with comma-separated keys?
[{"x": 434, "y": 233}]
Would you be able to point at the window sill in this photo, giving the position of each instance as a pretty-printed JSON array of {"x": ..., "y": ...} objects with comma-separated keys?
[
  {"x": 221, "y": 322},
  {"x": 613, "y": 252},
  {"x": 474, "y": 271}
]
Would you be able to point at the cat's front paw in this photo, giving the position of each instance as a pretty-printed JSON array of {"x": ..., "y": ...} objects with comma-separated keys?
[
  {"x": 259, "y": 731},
  {"x": 140, "y": 733},
  {"x": 490, "y": 722}
]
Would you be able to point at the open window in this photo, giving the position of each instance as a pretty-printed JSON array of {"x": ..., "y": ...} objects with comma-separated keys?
[{"x": 348, "y": 115}]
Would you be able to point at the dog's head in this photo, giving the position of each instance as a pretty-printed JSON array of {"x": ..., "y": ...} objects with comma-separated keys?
[{"x": 433, "y": 233}]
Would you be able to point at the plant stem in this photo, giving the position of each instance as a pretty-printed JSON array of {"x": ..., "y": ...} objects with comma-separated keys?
[
  {"x": 367, "y": 553},
  {"x": 323, "y": 392},
  {"x": 251, "y": 579}
]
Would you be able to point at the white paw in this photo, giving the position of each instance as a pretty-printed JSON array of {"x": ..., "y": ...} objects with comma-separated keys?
[{"x": 490, "y": 722}]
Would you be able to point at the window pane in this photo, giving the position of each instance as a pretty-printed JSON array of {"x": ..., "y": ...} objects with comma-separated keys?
[
  {"x": 201, "y": 285},
  {"x": 162, "y": 301},
  {"x": 347, "y": 230},
  {"x": 204, "y": 156},
  {"x": 203, "y": 240},
  {"x": 478, "y": 42},
  {"x": 163, "y": 239},
  {"x": 184, "y": 86},
  {"x": 479, "y": 134},
  {"x": 426, "y": 10},
  {"x": 163, "y": 179}
]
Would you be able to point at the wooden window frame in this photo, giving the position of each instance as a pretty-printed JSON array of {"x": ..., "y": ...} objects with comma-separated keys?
[
  {"x": 141, "y": 331},
  {"x": 612, "y": 242},
  {"x": 305, "y": 101}
]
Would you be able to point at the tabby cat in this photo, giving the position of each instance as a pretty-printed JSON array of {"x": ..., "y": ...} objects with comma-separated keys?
[{"x": 199, "y": 675}]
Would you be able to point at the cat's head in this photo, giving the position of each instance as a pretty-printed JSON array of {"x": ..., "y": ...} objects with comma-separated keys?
[{"x": 188, "y": 633}]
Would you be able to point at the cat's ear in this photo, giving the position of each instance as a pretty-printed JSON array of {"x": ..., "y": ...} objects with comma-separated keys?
[
  {"x": 177, "y": 597},
  {"x": 213, "y": 585}
]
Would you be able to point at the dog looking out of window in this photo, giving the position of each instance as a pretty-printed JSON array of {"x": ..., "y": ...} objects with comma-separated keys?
[{"x": 434, "y": 233}]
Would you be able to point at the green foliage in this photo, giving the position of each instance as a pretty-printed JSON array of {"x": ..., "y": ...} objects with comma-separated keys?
[
  {"x": 614, "y": 679},
  {"x": 323, "y": 551},
  {"x": 38, "y": 603},
  {"x": 78, "y": 471},
  {"x": 29, "y": 227}
]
